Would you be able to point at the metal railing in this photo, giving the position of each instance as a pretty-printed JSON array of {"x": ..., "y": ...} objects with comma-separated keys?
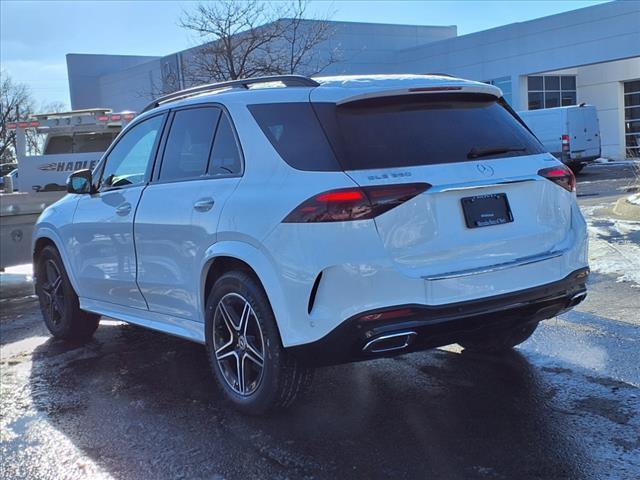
[{"x": 286, "y": 80}]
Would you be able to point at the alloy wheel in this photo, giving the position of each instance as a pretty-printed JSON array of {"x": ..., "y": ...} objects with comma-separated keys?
[
  {"x": 238, "y": 344},
  {"x": 52, "y": 292}
]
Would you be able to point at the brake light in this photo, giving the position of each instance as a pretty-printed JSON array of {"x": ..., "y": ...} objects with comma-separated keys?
[
  {"x": 103, "y": 118},
  {"x": 11, "y": 126},
  {"x": 116, "y": 117},
  {"x": 562, "y": 176},
  {"x": 565, "y": 143},
  {"x": 434, "y": 89},
  {"x": 346, "y": 204}
]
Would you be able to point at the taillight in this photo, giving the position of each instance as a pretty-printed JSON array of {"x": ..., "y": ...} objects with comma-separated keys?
[
  {"x": 562, "y": 175},
  {"x": 359, "y": 203},
  {"x": 565, "y": 143}
]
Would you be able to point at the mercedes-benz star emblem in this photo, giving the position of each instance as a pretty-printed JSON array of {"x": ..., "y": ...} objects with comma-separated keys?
[{"x": 485, "y": 170}]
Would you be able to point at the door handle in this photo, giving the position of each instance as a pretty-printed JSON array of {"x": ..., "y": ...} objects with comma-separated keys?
[
  {"x": 124, "y": 209},
  {"x": 204, "y": 204}
]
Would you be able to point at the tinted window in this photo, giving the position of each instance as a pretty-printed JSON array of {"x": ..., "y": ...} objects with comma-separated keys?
[
  {"x": 189, "y": 143},
  {"x": 422, "y": 130},
  {"x": 551, "y": 99},
  {"x": 294, "y": 131},
  {"x": 59, "y": 145},
  {"x": 568, "y": 98},
  {"x": 535, "y": 83},
  {"x": 80, "y": 143},
  {"x": 568, "y": 82},
  {"x": 225, "y": 157},
  {"x": 552, "y": 83},
  {"x": 92, "y": 142},
  {"x": 127, "y": 163},
  {"x": 535, "y": 100}
]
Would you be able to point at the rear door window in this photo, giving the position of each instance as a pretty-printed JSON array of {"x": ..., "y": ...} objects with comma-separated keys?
[
  {"x": 188, "y": 146},
  {"x": 225, "y": 156},
  {"x": 389, "y": 132}
]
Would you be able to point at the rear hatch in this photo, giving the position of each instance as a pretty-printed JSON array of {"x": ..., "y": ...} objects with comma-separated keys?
[
  {"x": 583, "y": 132},
  {"x": 485, "y": 206}
]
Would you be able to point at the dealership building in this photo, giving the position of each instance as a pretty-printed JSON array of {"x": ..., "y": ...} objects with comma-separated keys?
[{"x": 590, "y": 55}]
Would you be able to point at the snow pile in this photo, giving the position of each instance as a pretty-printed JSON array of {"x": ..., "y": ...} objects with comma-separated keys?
[
  {"x": 634, "y": 199},
  {"x": 614, "y": 247}
]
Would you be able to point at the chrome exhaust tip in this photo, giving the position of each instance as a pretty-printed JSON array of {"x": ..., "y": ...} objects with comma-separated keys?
[
  {"x": 390, "y": 343},
  {"x": 577, "y": 298}
]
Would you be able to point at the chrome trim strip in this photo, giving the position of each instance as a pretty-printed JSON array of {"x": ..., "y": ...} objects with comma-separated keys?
[
  {"x": 518, "y": 262},
  {"x": 445, "y": 188},
  {"x": 409, "y": 335}
]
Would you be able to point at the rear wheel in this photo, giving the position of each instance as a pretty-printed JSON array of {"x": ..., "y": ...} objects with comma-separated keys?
[
  {"x": 58, "y": 301},
  {"x": 252, "y": 368},
  {"x": 500, "y": 341},
  {"x": 576, "y": 168}
]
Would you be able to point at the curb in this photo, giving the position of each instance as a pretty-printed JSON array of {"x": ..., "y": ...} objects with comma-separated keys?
[{"x": 626, "y": 209}]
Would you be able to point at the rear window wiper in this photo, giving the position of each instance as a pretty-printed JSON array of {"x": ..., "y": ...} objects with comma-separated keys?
[{"x": 484, "y": 152}]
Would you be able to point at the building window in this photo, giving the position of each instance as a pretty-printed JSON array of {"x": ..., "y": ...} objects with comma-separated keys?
[
  {"x": 548, "y": 91},
  {"x": 632, "y": 118},
  {"x": 504, "y": 84}
]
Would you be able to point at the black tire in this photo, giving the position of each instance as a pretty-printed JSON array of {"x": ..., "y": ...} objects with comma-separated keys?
[
  {"x": 281, "y": 378},
  {"x": 58, "y": 301},
  {"x": 576, "y": 168},
  {"x": 500, "y": 341}
]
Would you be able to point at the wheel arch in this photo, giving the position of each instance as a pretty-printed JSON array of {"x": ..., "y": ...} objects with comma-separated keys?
[
  {"x": 232, "y": 255},
  {"x": 43, "y": 237}
]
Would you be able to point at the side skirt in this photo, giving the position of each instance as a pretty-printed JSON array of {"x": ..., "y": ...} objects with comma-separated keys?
[{"x": 178, "y": 327}]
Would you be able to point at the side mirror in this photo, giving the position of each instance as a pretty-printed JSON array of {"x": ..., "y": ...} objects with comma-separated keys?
[{"x": 80, "y": 182}]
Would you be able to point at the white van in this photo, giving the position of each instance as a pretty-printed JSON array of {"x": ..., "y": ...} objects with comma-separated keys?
[{"x": 571, "y": 134}]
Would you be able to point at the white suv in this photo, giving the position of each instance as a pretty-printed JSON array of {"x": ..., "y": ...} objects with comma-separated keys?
[{"x": 287, "y": 223}]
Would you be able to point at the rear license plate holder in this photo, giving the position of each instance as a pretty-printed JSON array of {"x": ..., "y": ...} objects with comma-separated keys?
[{"x": 486, "y": 210}]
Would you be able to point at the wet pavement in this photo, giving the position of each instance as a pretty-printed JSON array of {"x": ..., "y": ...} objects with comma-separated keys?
[{"x": 135, "y": 404}]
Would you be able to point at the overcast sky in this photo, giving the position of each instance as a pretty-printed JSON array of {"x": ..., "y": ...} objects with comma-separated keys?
[{"x": 36, "y": 36}]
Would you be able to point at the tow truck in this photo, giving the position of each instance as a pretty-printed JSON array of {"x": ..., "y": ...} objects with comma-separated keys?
[{"x": 70, "y": 141}]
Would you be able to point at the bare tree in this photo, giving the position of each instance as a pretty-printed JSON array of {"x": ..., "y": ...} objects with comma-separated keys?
[
  {"x": 16, "y": 104},
  {"x": 254, "y": 38}
]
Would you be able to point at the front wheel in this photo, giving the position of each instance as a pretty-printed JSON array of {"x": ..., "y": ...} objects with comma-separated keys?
[
  {"x": 252, "y": 368},
  {"x": 500, "y": 341},
  {"x": 58, "y": 301}
]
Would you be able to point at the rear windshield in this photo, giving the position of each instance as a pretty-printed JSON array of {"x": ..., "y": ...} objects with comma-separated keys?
[
  {"x": 80, "y": 143},
  {"x": 397, "y": 131}
]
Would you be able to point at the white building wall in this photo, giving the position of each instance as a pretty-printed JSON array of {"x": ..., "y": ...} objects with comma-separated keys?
[
  {"x": 132, "y": 88},
  {"x": 601, "y": 33},
  {"x": 601, "y": 85}
]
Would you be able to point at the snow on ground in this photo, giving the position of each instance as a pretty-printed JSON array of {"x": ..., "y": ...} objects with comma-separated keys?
[{"x": 614, "y": 246}]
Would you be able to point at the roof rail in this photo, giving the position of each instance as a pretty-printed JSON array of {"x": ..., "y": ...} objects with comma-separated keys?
[{"x": 286, "y": 80}]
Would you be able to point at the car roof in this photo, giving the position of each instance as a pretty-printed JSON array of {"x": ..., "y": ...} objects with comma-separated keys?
[{"x": 338, "y": 89}]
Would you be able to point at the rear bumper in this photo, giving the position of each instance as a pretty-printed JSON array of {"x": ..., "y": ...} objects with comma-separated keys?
[
  {"x": 428, "y": 326},
  {"x": 569, "y": 160}
]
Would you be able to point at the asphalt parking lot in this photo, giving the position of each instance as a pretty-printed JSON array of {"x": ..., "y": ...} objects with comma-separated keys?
[{"x": 135, "y": 404}]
